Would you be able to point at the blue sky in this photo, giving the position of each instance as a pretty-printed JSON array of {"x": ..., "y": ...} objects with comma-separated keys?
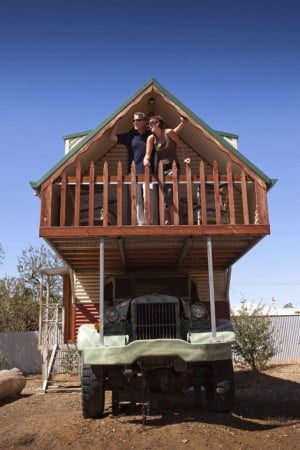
[{"x": 67, "y": 65}]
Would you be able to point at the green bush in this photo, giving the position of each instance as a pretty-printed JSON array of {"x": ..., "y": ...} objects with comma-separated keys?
[{"x": 255, "y": 344}]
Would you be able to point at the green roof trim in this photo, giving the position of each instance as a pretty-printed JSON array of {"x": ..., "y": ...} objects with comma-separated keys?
[
  {"x": 75, "y": 135},
  {"x": 152, "y": 82},
  {"x": 229, "y": 135}
]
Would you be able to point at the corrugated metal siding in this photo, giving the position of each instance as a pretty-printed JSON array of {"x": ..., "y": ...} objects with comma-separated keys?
[
  {"x": 116, "y": 154},
  {"x": 87, "y": 287},
  {"x": 232, "y": 141},
  {"x": 287, "y": 337},
  {"x": 72, "y": 142},
  {"x": 22, "y": 350},
  {"x": 220, "y": 283},
  {"x": 119, "y": 153}
]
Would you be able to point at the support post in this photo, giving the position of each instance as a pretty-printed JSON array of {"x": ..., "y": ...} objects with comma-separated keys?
[
  {"x": 101, "y": 290},
  {"x": 211, "y": 290},
  {"x": 41, "y": 311}
]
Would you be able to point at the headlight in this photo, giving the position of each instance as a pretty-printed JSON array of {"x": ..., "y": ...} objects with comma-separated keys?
[
  {"x": 198, "y": 310},
  {"x": 111, "y": 315}
]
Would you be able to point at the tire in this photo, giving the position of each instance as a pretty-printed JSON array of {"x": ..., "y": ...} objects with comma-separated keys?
[
  {"x": 92, "y": 391},
  {"x": 220, "y": 389}
]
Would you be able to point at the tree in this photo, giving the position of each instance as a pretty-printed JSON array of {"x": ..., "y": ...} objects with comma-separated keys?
[
  {"x": 30, "y": 263},
  {"x": 1, "y": 254},
  {"x": 255, "y": 344},
  {"x": 19, "y": 296},
  {"x": 18, "y": 309}
]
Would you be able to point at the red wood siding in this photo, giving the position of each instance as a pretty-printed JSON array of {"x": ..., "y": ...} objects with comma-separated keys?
[
  {"x": 222, "y": 309},
  {"x": 84, "y": 313}
]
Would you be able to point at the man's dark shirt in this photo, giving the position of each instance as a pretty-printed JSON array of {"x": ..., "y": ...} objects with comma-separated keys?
[{"x": 136, "y": 146}]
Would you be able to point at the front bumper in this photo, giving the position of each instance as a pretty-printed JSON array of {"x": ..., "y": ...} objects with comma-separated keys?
[{"x": 116, "y": 350}]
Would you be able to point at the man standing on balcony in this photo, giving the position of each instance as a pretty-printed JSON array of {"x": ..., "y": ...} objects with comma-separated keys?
[{"x": 135, "y": 142}]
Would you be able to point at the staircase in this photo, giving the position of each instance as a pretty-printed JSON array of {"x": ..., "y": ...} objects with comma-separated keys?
[{"x": 57, "y": 356}]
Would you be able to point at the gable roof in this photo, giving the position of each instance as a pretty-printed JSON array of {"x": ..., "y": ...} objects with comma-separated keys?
[{"x": 218, "y": 136}]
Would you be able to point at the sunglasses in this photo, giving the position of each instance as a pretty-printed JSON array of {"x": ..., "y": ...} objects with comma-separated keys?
[
  {"x": 138, "y": 120},
  {"x": 153, "y": 122}
]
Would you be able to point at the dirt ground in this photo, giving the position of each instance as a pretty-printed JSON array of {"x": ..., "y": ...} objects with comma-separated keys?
[{"x": 266, "y": 415}]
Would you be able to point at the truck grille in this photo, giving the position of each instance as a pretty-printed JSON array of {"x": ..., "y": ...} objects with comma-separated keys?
[{"x": 155, "y": 320}]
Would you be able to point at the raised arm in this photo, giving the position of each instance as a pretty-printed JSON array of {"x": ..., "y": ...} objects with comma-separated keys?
[
  {"x": 179, "y": 145},
  {"x": 149, "y": 149},
  {"x": 180, "y": 125}
]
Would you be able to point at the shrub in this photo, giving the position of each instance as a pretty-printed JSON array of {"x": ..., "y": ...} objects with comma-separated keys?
[{"x": 255, "y": 344}]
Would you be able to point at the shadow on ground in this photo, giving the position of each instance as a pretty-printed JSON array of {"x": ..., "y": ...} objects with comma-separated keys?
[{"x": 262, "y": 402}]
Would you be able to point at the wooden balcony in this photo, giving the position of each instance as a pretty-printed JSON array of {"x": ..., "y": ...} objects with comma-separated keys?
[
  {"x": 110, "y": 201},
  {"x": 76, "y": 210}
]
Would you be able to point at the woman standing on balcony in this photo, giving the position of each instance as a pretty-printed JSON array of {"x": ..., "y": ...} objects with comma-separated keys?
[{"x": 165, "y": 142}]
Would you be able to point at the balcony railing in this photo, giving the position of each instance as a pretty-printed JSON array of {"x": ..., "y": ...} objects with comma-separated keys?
[{"x": 111, "y": 200}]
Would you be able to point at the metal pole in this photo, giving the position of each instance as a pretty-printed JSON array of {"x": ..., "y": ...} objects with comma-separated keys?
[
  {"x": 101, "y": 291},
  {"x": 211, "y": 289},
  {"x": 41, "y": 322}
]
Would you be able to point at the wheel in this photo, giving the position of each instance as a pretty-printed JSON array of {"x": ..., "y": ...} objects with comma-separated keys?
[
  {"x": 92, "y": 391},
  {"x": 220, "y": 389}
]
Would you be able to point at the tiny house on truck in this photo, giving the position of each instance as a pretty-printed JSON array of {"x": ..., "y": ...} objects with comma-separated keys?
[{"x": 148, "y": 306}]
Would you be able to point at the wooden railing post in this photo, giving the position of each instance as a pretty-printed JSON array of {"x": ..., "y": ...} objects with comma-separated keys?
[
  {"x": 262, "y": 215},
  {"x": 216, "y": 192},
  {"x": 92, "y": 194},
  {"x": 147, "y": 195},
  {"x": 230, "y": 194},
  {"x": 203, "y": 202},
  {"x": 189, "y": 194},
  {"x": 77, "y": 195},
  {"x": 119, "y": 194},
  {"x": 63, "y": 200},
  {"x": 161, "y": 194},
  {"x": 46, "y": 206},
  {"x": 244, "y": 198},
  {"x": 105, "y": 194},
  {"x": 133, "y": 194},
  {"x": 175, "y": 194}
]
